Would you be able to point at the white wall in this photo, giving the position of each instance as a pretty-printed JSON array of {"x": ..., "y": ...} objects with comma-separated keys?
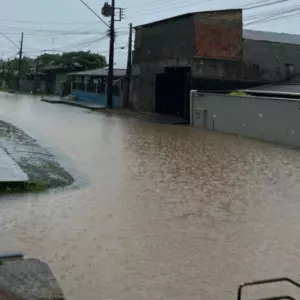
[{"x": 270, "y": 119}]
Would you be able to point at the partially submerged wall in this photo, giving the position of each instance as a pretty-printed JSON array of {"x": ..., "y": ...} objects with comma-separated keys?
[{"x": 271, "y": 119}]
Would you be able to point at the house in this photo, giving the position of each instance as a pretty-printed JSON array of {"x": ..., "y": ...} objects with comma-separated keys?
[
  {"x": 205, "y": 51},
  {"x": 51, "y": 78},
  {"x": 90, "y": 86}
]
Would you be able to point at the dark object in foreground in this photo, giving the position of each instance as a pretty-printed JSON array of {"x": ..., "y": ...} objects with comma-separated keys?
[{"x": 267, "y": 281}]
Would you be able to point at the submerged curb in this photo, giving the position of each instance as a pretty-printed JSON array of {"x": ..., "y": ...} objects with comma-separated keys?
[
  {"x": 41, "y": 167},
  {"x": 90, "y": 106}
]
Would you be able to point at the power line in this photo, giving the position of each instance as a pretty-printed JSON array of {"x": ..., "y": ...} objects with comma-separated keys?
[
  {"x": 256, "y": 2},
  {"x": 169, "y": 3},
  {"x": 49, "y": 23},
  {"x": 266, "y": 4},
  {"x": 49, "y": 31},
  {"x": 290, "y": 20},
  {"x": 80, "y": 44},
  {"x": 272, "y": 12},
  {"x": 167, "y": 6},
  {"x": 88, "y": 7},
  {"x": 271, "y": 19},
  {"x": 9, "y": 39},
  {"x": 273, "y": 15}
]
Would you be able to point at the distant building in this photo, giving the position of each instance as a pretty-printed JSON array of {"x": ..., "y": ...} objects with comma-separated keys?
[
  {"x": 205, "y": 51},
  {"x": 51, "y": 77},
  {"x": 91, "y": 86}
]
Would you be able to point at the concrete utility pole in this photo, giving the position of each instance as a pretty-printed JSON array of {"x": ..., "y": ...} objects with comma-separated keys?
[
  {"x": 20, "y": 62},
  {"x": 35, "y": 76},
  {"x": 129, "y": 63},
  {"x": 110, "y": 78},
  {"x": 109, "y": 10}
]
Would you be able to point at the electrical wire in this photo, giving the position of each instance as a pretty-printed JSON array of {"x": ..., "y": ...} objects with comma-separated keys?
[
  {"x": 271, "y": 19},
  {"x": 80, "y": 44},
  {"x": 167, "y": 4},
  {"x": 39, "y": 35},
  {"x": 278, "y": 22},
  {"x": 49, "y": 23},
  {"x": 89, "y": 8},
  {"x": 47, "y": 31},
  {"x": 266, "y": 4},
  {"x": 9, "y": 39},
  {"x": 272, "y": 15}
]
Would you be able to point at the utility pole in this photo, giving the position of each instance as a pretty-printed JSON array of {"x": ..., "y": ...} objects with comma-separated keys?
[
  {"x": 3, "y": 73},
  {"x": 129, "y": 63},
  {"x": 35, "y": 76},
  {"x": 20, "y": 62},
  {"x": 111, "y": 57},
  {"x": 109, "y": 10}
]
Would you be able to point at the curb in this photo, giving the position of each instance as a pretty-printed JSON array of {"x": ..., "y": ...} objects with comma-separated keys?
[{"x": 73, "y": 103}]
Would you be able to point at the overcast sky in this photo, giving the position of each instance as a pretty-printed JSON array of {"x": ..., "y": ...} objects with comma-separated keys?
[{"x": 66, "y": 25}]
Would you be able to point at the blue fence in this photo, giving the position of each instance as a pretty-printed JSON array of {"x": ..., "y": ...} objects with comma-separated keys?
[{"x": 95, "y": 98}]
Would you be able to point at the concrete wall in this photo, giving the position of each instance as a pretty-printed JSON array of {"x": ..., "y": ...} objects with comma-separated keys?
[
  {"x": 270, "y": 119},
  {"x": 268, "y": 60},
  {"x": 164, "y": 40},
  {"x": 143, "y": 83},
  {"x": 25, "y": 84}
]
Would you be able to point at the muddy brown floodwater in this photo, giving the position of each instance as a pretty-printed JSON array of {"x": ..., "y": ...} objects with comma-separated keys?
[{"x": 162, "y": 211}]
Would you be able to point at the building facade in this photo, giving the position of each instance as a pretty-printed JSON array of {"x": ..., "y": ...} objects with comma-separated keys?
[
  {"x": 91, "y": 86},
  {"x": 205, "y": 51}
]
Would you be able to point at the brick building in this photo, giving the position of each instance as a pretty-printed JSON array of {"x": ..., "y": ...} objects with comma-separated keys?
[{"x": 206, "y": 51}]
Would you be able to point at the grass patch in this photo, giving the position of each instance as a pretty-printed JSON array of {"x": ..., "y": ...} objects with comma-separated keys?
[{"x": 22, "y": 187}]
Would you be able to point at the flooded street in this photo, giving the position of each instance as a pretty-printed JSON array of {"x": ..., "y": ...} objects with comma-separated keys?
[{"x": 158, "y": 211}]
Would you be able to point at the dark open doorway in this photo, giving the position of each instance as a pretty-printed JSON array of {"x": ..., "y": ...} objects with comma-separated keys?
[{"x": 172, "y": 92}]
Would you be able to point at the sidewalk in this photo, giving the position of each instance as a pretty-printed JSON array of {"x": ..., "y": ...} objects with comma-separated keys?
[
  {"x": 23, "y": 160},
  {"x": 10, "y": 172}
]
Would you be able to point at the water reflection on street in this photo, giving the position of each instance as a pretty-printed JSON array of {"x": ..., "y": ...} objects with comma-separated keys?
[{"x": 166, "y": 212}]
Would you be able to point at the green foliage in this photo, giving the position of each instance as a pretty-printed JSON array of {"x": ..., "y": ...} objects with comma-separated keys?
[
  {"x": 12, "y": 65},
  {"x": 72, "y": 60},
  {"x": 83, "y": 60},
  {"x": 238, "y": 93},
  {"x": 22, "y": 187},
  {"x": 48, "y": 59}
]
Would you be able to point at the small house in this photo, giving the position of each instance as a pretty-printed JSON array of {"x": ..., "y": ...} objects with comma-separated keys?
[
  {"x": 51, "y": 77},
  {"x": 91, "y": 86}
]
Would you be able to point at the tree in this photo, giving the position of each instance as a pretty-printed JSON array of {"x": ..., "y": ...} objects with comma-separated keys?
[
  {"x": 84, "y": 60},
  {"x": 12, "y": 66},
  {"x": 48, "y": 59}
]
